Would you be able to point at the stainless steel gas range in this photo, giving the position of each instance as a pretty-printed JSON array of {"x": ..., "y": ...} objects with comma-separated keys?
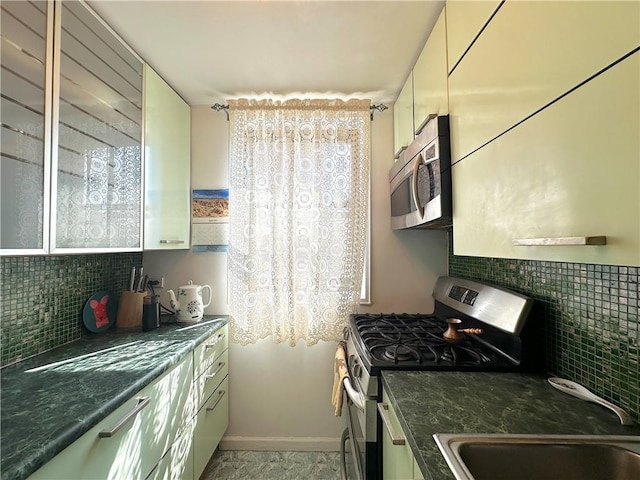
[{"x": 474, "y": 327}]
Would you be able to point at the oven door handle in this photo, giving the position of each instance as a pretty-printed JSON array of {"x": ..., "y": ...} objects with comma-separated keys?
[{"x": 355, "y": 396}]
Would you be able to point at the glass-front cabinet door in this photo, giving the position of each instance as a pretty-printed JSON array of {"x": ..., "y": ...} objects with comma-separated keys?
[
  {"x": 97, "y": 134},
  {"x": 25, "y": 78},
  {"x": 71, "y": 156}
]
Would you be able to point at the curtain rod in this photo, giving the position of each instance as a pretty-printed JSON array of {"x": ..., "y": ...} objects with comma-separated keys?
[{"x": 381, "y": 107}]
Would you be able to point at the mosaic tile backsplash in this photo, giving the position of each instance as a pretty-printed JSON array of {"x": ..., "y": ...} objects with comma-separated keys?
[
  {"x": 41, "y": 298},
  {"x": 592, "y": 328}
]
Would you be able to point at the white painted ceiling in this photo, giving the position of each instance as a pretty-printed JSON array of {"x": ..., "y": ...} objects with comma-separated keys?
[{"x": 211, "y": 51}]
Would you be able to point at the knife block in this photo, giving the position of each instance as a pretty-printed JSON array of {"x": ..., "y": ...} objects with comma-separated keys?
[{"x": 130, "y": 309}]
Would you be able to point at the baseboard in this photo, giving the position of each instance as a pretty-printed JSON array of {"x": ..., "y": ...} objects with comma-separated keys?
[{"x": 281, "y": 444}]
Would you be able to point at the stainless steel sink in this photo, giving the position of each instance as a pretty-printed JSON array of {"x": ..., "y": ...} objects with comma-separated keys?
[{"x": 541, "y": 457}]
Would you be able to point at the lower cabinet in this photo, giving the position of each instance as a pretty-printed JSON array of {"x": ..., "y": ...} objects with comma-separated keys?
[
  {"x": 168, "y": 431},
  {"x": 211, "y": 398},
  {"x": 210, "y": 424},
  {"x": 131, "y": 440},
  {"x": 398, "y": 462}
]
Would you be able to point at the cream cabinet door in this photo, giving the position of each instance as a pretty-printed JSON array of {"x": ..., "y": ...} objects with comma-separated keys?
[
  {"x": 403, "y": 117},
  {"x": 430, "y": 76},
  {"x": 154, "y": 417},
  {"x": 167, "y": 150},
  {"x": 210, "y": 424},
  {"x": 397, "y": 460},
  {"x": 571, "y": 170},
  {"x": 527, "y": 56},
  {"x": 465, "y": 19}
]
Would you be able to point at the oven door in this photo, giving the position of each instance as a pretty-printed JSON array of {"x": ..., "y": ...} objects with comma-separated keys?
[{"x": 362, "y": 425}]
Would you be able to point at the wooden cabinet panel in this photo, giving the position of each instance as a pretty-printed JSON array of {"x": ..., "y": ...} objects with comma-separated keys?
[
  {"x": 403, "y": 117},
  {"x": 167, "y": 130},
  {"x": 134, "y": 450},
  {"x": 530, "y": 54},
  {"x": 465, "y": 19},
  {"x": 430, "y": 76},
  {"x": 571, "y": 170}
]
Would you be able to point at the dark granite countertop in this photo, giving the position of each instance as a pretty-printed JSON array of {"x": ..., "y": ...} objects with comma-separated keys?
[
  {"x": 479, "y": 402},
  {"x": 48, "y": 401}
]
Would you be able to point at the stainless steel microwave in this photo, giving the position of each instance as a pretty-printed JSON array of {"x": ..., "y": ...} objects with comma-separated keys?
[{"x": 421, "y": 179}]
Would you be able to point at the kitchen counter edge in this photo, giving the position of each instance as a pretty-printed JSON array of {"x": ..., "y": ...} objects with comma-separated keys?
[
  {"x": 27, "y": 455},
  {"x": 427, "y": 403}
]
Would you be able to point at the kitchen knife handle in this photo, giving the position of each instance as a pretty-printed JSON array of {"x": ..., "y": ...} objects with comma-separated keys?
[{"x": 142, "y": 402}]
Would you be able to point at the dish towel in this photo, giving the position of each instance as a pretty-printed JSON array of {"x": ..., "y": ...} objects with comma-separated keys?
[{"x": 340, "y": 372}]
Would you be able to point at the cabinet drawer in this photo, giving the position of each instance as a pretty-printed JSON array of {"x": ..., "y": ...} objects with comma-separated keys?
[
  {"x": 211, "y": 423},
  {"x": 211, "y": 378},
  {"x": 209, "y": 350},
  {"x": 176, "y": 463},
  {"x": 132, "y": 451},
  {"x": 528, "y": 55}
]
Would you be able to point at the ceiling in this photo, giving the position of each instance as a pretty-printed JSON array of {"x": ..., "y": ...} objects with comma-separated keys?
[{"x": 211, "y": 51}]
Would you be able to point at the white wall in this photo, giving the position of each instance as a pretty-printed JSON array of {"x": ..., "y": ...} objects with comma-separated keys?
[{"x": 280, "y": 395}]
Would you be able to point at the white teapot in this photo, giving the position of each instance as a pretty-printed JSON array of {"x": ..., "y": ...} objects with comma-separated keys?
[{"x": 189, "y": 306}]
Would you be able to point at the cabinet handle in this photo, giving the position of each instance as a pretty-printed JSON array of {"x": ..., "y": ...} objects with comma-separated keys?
[
  {"x": 220, "y": 395},
  {"x": 399, "y": 152},
  {"x": 142, "y": 402},
  {"x": 217, "y": 341},
  {"x": 220, "y": 367},
  {"x": 177, "y": 242},
  {"x": 559, "y": 241},
  {"x": 430, "y": 117},
  {"x": 396, "y": 439}
]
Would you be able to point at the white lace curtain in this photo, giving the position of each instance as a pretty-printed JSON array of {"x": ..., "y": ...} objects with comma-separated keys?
[{"x": 298, "y": 196}]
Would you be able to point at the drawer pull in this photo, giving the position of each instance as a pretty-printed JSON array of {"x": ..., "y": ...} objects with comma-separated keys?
[
  {"x": 220, "y": 395},
  {"x": 142, "y": 402},
  {"x": 396, "y": 439},
  {"x": 559, "y": 241},
  {"x": 210, "y": 376},
  {"x": 216, "y": 342},
  {"x": 172, "y": 242}
]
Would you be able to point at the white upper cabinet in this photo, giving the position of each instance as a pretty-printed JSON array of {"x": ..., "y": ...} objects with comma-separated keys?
[
  {"x": 528, "y": 55},
  {"x": 430, "y": 76},
  {"x": 71, "y": 171},
  {"x": 571, "y": 170},
  {"x": 167, "y": 131},
  {"x": 403, "y": 117},
  {"x": 465, "y": 20},
  {"x": 26, "y": 78},
  {"x": 96, "y": 151}
]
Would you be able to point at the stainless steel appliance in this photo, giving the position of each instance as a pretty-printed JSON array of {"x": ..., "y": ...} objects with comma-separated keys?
[
  {"x": 474, "y": 326},
  {"x": 421, "y": 179}
]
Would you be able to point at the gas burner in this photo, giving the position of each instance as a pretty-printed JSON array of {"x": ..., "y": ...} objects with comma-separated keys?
[{"x": 401, "y": 353}]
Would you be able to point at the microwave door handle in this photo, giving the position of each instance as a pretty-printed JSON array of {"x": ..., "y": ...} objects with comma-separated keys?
[
  {"x": 414, "y": 185},
  {"x": 356, "y": 397}
]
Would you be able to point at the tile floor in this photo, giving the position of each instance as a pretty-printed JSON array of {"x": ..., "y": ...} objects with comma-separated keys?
[{"x": 245, "y": 465}]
